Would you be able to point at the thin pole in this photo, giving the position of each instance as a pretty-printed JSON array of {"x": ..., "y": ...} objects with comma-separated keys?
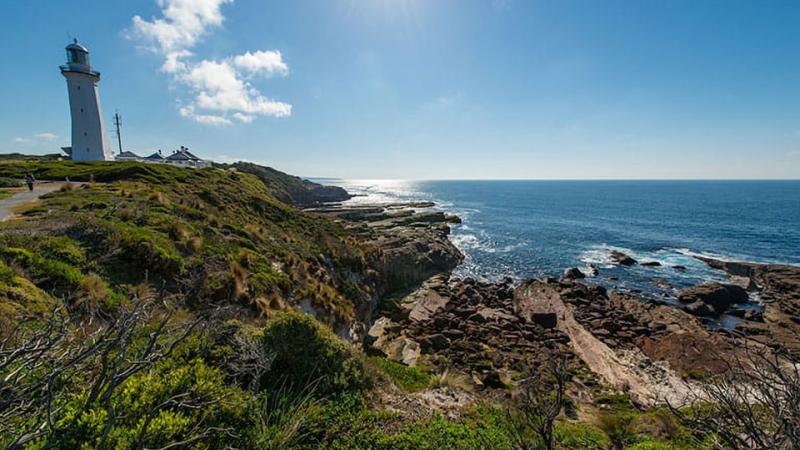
[{"x": 118, "y": 123}]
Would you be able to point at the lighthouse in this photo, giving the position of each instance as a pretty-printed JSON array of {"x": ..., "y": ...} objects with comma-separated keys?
[{"x": 89, "y": 140}]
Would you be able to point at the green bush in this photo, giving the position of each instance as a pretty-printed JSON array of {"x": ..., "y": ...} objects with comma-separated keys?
[
  {"x": 147, "y": 395},
  {"x": 7, "y": 182},
  {"x": 309, "y": 354},
  {"x": 619, "y": 427},
  {"x": 52, "y": 274},
  {"x": 409, "y": 378},
  {"x": 580, "y": 436}
]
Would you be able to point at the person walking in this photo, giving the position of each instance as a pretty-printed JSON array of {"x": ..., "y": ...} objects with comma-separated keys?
[{"x": 29, "y": 180}]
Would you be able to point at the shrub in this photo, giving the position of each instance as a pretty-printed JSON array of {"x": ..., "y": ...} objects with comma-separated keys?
[
  {"x": 581, "y": 436},
  {"x": 7, "y": 182},
  {"x": 307, "y": 353},
  {"x": 282, "y": 420},
  {"x": 619, "y": 427},
  {"x": 177, "y": 400},
  {"x": 53, "y": 274},
  {"x": 409, "y": 378}
]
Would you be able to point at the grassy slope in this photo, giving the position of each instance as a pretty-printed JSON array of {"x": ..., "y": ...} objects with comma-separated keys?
[{"x": 215, "y": 235}]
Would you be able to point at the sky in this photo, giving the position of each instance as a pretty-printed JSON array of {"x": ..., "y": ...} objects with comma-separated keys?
[{"x": 424, "y": 89}]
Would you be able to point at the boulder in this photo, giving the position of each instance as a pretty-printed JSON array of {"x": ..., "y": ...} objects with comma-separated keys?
[
  {"x": 573, "y": 273},
  {"x": 699, "y": 308},
  {"x": 651, "y": 264},
  {"x": 618, "y": 257},
  {"x": 434, "y": 342},
  {"x": 717, "y": 295},
  {"x": 490, "y": 315}
]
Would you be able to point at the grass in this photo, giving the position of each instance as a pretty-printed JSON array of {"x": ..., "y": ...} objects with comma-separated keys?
[
  {"x": 408, "y": 378},
  {"x": 223, "y": 232}
]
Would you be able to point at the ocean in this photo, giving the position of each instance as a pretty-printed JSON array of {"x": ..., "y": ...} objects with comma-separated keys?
[{"x": 528, "y": 229}]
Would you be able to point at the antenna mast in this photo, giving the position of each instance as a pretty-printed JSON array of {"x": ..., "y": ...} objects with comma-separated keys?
[{"x": 118, "y": 124}]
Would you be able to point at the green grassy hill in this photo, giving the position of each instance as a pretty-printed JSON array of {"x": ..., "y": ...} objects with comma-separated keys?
[{"x": 211, "y": 235}]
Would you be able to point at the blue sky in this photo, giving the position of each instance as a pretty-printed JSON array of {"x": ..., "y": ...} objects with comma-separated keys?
[{"x": 425, "y": 89}]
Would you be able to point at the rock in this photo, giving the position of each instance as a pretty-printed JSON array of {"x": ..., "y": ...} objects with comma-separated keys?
[
  {"x": 490, "y": 315},
  {"x": 679, "y": 268},
  {"x": 573, "y": 273},
  {"x": 699, "y": 308},
  {"x": 428, "y": 304},
  {"x": 651, "y": 264},
  {"x": 404, "y": 350},
  {"x": 546, "y": 320},
  {"x": 746, "y": 314},
  {"x": 491, "y": 379},
  {"x": 378, "y": 334},
  {"x": 719, "y": 296},
  {"x": 434, "y": 342},
  {"x": 593, "y": 270},
  {"x": 621, "y": 258},
  {"x": 533, "y": 305},
  {"x": 662, "y": 283},
  {"x": 453, "y": 334}
]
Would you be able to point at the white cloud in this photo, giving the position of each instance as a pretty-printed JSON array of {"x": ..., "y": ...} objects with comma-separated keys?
[
  {"x": 267, "y": 63},
  {"x": 39, "y": 138},
  {"x": 208, "y": 119},
  {"x": 183, "y": 24},
  {"x": 244, "y": 118},
  {"x": 220, "y": 89},
  {"x": 46, "y": 137}
]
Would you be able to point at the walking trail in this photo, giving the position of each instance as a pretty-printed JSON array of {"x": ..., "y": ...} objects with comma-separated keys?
[{"x": 8, "y": 205}]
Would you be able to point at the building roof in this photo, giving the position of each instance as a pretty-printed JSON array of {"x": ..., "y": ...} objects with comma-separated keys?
[
  {"x": 127, "y": 154},
  {"x": 156, "y": 156},
  {"x": 182, "y": 155}
]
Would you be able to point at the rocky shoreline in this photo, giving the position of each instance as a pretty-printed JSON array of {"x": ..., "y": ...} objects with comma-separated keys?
[{"x": 489, "y": 332}]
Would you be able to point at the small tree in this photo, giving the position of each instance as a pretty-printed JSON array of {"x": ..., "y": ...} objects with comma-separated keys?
[
  {"x": 755, "y": 404},
  {"x": 537, "y": 403},
  {"x": 41, "y": 363}
]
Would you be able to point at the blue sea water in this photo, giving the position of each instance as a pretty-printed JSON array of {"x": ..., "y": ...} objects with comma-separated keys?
[{"x": 538, "y": 228}]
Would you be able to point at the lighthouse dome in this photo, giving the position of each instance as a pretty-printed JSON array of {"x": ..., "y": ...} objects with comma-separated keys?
[
  {"x": 75, "y": 45},
  {"x": 78, "y": 57}
]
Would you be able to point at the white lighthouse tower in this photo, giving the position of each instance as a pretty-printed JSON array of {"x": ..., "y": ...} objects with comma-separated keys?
[{"x": 89, "y": 140}]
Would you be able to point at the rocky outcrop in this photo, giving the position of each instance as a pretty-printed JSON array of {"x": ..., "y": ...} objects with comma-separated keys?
[
  {"x": 410, "y": 246},
  {"x": 617, "y": 257},
  {"x": 777, "y": 287},
  {"x": 467, "y": 326},
  {"x": 604, "y": 336},
  {"x": 573, "y": 273},
  {"x": 712, "y": 299}
]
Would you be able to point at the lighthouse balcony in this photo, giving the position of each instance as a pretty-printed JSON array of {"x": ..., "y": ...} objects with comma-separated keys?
[{"x": 77, "y": 68}]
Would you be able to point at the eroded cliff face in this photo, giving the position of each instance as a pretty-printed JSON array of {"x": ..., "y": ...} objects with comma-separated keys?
[{"x": 404, "y": 247}]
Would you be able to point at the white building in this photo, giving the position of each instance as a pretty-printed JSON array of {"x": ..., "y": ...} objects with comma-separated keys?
[{"x": 89, "y": 140}]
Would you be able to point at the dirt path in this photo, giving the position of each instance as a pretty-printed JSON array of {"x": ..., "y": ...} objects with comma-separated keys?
[{"x": 7, "y": 206}]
